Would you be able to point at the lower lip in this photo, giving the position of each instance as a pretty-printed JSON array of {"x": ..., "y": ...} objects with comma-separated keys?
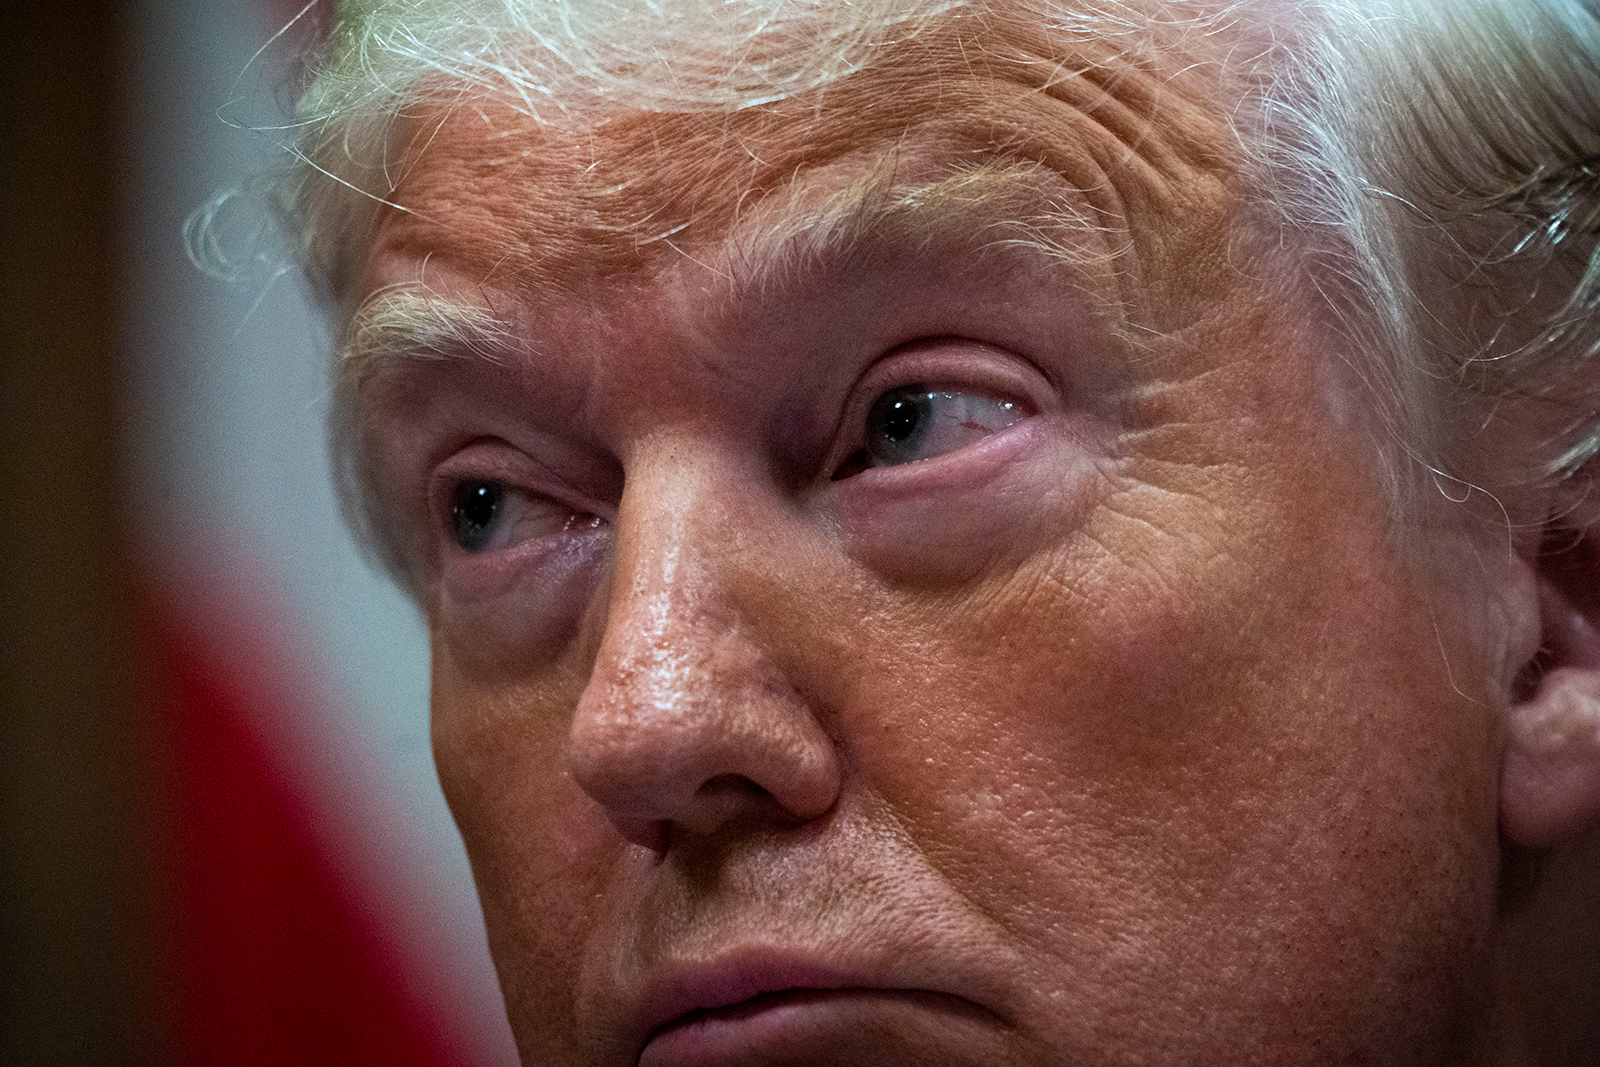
[{"x": 881, "y": 1025}]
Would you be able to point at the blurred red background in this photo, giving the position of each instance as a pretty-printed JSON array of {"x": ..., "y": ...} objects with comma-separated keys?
[{"x": 222, "y": 840}]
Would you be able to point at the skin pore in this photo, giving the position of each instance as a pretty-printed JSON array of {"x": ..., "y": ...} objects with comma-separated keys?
[{"x": 1122, "y": 733}]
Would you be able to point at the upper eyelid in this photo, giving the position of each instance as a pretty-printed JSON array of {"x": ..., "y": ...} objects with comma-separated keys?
[
  {"x": 483, "y": 459},
  {"x": 999, "y": 370},
  {"x": 890, "y": 373}
]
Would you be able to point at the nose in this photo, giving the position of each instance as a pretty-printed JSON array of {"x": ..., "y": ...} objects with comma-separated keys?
[{"x": 688, "y": 722}]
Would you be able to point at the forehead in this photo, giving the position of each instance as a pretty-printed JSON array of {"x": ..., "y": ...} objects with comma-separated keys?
[{"x": 1133, "y": 123}]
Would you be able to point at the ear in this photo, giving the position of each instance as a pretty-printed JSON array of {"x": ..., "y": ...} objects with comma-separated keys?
[{"x": 1550, "y": 785}]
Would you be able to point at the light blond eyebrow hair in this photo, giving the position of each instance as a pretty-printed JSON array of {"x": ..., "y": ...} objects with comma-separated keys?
[
  {"x": 407, "y": 324},
  {"x": 991, "y": 207},
  {"x": 988, "y": 207}
]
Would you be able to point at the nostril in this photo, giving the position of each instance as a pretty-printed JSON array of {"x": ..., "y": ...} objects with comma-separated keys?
[
  {"x": 729, "y": 783},
  {"x": 733, "y": 790},
  {"x": 729, "y": 799}
]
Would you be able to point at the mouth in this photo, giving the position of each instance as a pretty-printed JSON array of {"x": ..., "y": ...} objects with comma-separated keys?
[{"x": 774, "y": 1011}]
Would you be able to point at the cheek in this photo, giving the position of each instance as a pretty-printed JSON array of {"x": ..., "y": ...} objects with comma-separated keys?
[
  {"x": 534, "y": 840},
  {"x": 503, "y": 612},
  {"x": 1244, "y": 777}
]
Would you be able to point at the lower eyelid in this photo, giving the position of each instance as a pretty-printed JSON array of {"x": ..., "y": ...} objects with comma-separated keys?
[
  {"x": 958, "y": 479},
  {"x": 527, "y": 596}
]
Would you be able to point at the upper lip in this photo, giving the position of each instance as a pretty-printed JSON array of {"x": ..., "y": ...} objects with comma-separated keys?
[{"x": 677, "y": 990}]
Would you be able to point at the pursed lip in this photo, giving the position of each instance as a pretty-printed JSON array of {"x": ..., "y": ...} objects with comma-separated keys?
[{"x": 681, "y": 993}]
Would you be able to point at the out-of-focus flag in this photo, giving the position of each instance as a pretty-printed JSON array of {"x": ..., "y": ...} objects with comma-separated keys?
[{"x": 311, "y": 901}]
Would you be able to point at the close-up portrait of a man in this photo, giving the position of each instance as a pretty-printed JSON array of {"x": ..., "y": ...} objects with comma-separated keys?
[{"x": 1038, "y": 532}]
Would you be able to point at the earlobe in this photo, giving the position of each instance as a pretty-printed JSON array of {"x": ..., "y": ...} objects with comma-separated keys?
[{"x": 1550, "y": 785}]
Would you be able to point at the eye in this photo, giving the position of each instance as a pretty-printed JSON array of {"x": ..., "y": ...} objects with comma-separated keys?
[
  {"x": 914, "y": 422},
  {"x": 487, "y": 515}
]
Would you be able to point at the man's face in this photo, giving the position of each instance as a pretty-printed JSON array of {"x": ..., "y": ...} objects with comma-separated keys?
[{"x": 876, "y": 639}]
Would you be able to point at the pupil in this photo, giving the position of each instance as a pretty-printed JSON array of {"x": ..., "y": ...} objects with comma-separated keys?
[
  {"x": 900, "y": 422},
  {"x": 473, "y": 507},
  {"x": 897, "y": 415}
]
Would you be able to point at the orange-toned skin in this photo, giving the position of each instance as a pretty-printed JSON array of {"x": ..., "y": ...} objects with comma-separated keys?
[{"x": 1124, "y": 736}]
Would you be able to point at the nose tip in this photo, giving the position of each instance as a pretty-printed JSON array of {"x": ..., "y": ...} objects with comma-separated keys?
[{"x": 687, "y": 724}]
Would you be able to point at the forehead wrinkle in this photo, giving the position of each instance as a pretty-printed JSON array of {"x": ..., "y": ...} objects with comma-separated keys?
[
  {"x": 633, "y": 177},
  {"x": 1147, "y": 136},
  {"x": 1136, "y": 138},
  {"x": 1149, "y": 151}
]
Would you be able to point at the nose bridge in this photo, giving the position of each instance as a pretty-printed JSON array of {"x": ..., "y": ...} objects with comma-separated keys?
[
  {"x": 686, "y": 718},
  {"x": 670, "y": 616},
  {"x": 673, "y": 598}
]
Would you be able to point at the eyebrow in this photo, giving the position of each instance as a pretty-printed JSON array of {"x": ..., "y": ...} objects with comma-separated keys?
[
  {"x": 994, "y": 207},
  {"x": 408, "y": 324}
]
